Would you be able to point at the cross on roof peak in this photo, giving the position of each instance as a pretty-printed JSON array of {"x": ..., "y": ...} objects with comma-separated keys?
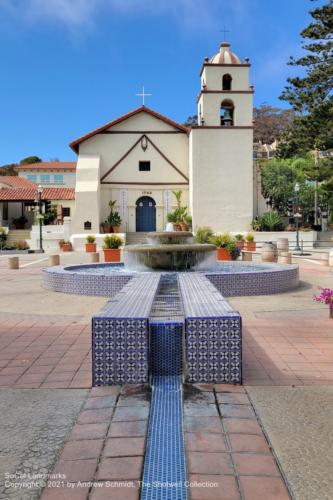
[{"x": 143, "y": 95}]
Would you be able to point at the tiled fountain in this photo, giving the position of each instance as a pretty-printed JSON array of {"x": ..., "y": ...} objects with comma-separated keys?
[{"x": 164, "y": 325}]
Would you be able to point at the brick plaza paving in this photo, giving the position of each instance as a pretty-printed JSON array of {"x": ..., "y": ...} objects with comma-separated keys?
[{"x": 45, "y": 341}]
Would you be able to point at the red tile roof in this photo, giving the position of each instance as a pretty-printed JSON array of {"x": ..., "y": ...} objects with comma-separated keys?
[
  {"x": 14, "y": 181},
  {"x": 75, "y": 144},
  {"x": 49, "y": 165},
  {"x": 29, "y": 194}
]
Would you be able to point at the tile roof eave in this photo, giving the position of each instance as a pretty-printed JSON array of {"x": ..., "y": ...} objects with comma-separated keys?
[{"x": 74, "y": 145}]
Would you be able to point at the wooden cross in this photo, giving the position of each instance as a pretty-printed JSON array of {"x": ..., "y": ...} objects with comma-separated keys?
[{"x": 143, "y": 95}]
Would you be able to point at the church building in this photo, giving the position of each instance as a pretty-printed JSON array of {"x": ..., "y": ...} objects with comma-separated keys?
[{"x": 141, "y": 157}]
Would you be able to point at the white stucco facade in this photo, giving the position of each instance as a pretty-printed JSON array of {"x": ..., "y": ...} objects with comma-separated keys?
[{"x": 145, "y": 156}]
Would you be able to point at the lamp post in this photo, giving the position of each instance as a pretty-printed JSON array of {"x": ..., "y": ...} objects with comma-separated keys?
[
  {"x": 40, "y": 217},
  {"x": 297, "y": 216}
]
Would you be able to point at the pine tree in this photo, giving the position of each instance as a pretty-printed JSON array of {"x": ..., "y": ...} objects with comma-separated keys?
[{"x": 311, "y": 95}]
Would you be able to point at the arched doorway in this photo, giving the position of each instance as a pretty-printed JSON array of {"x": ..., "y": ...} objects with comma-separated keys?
[{"x": 145, "y": 214}]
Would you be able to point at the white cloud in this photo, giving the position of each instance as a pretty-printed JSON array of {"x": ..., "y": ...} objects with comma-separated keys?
[{"x": 200, "y": 15}]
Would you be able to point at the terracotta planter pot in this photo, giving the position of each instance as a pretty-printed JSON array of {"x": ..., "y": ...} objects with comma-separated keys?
[
  {"x": 176, "y": 227},
  {"x": 223, "y": 254},
  {"x": 66, "y": 247},
  {"x": 111, "y": 254},
  {"x": 240, "y": 245},
  {"x": 250, "y": 246},
  {"x": 90, "y": 247},
  {"x": 107, "y": 228},
  {"x": 184, "y": 227},
  {"x": 116, "y": 229}
]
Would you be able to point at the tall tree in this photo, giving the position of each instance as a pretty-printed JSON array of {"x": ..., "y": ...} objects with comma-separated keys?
[
  {"x": 311, "y": 95},
  {"x": 9, "y": 169},
  {"x": 191, "y": 120},
  {"x": 271, "y": 122},
  {"x": 30, "y": 159}
]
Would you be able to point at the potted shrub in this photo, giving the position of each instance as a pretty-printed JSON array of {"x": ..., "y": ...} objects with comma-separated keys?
[
  {"x": 179, "y": 213},
  {"x": 115, "y": 221},
  {"x": 226, "y": 245},
  {"x": 66, "y": 246},
  {"x": 172, "y": 217},
  {"x": 106, "y": 227},
  {"x": 240, "y": 242},
  {"x": 60, "y": 243},
  {"x": 182, "y": 212},
  {"x": 90, "y": 245},
  {"x": 111, "y": 248},
  {"x": 250, "y": 244},
  {"x": 188, "y": 220},
  {"x": 203, "y": 234},
  {"x": 20, "y": 222}
]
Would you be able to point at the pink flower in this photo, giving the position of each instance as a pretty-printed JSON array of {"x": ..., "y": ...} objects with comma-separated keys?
[{"x": 325, "y": 297}]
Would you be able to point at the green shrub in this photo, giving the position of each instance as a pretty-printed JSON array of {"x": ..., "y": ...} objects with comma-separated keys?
[
  {"x": 114, "y": 219},
  {"x": 249, "y": 237},
  {"x": 225, "y": 240},
  {"x": 203, "y": 234},
  {"x": 239, "y": 237},
  {"x": 222, "y": 240},
  {"x": 91, "y": 238},
  {"x": 113, "y": 241},
  {"x": 171, "y": 217},
  {"x": 257, "y": 223},
  {"x": 188, "y": 220},
  {"x": 271, "y": 221}
]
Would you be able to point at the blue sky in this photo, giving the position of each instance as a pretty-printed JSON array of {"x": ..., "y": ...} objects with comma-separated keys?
[{"x": 68, "y": 66}]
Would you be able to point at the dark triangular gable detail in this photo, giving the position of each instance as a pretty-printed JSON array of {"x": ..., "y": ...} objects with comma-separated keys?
[{"x": 131, "y": 149}]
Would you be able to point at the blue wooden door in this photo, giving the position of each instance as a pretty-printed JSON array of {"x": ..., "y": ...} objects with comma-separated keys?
[{"x": 145, "y": 214}]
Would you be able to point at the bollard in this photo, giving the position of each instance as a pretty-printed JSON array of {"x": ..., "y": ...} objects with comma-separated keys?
[
  {"x": 13, "y": 262},
  {"x": 282, "y": 245},
  {"x": 246, "y": 256},
  {"x": 54, "y": 260},
  {"x": 269, "y": 252},
  {"x": 94, "y": 257},
  {"x": 285, "y": 258}
]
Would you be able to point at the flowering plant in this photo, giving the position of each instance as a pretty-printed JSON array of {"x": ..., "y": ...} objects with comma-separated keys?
[{"x": 325, "y": 297}]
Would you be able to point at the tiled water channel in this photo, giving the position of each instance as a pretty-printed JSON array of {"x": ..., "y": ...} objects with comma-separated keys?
[
  {"x": 161, "y": 329},
  {"x": 164, "y": 476}
]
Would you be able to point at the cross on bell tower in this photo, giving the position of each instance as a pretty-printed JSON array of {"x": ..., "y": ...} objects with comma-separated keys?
[{"x": 224, "y": 31}]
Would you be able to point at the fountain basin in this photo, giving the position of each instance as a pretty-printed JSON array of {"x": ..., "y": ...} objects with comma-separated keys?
[
  {"x": 230, "y": 278},
  {"x": 173, "y": 257},
  {"x": 168, "y": 237}
]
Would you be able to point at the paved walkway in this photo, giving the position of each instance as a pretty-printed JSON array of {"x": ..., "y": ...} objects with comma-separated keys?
[
  {"x": 227, "y": 453},
  {"x": 288, "y": 349},
  {"x": 298, "y": 421},
  {"x": 33, "y": 427}
]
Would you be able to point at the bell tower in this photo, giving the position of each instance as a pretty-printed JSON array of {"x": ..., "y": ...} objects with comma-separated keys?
[{"x": 221, "y": 165}]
